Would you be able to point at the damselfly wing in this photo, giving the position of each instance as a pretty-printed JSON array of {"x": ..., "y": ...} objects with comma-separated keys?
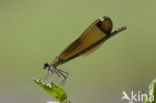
[{"x": 93, "y": 37}]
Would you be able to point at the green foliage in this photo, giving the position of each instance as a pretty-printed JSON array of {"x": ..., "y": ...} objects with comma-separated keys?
[
  {"x": 152, "y": 90},
  {"x": 144, "y": 99},
  {"x": 56, "y": 91}
]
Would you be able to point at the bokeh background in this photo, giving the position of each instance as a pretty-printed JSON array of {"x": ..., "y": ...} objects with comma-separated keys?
[{"x": 35, "y": 31}]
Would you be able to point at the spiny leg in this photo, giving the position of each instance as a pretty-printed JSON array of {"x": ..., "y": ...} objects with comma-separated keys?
[
  {"x": 61, "y": 73},
  {"x": 63, "y": 81},
  {"x": 58, "y": 74},
  {"x": 46, "y": 76}
]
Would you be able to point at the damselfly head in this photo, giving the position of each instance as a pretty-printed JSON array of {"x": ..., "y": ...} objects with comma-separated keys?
[{"x": 46, "y": 65}]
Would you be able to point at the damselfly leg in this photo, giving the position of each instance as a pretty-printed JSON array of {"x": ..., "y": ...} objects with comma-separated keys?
[
  {"x": 44, "y": 78},
  {"x": 60, "y": 73}
]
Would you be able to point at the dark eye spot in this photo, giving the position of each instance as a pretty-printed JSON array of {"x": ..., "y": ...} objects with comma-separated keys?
[{"x": 45, "y": 65}]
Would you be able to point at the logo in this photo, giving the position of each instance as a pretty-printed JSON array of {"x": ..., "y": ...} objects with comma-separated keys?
[{"x": 136, "y": 97}]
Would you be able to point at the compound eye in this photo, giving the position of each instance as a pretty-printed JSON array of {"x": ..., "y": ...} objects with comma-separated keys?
[{"x": 45, "y": 65}]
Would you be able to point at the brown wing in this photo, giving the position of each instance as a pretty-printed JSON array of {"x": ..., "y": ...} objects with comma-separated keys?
[
  {"x": 95, "y": 32},
  {"x": 92, "y": 49}
]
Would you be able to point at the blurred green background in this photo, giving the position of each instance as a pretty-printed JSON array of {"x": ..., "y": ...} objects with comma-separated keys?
[{"x": 35, "y": 31}]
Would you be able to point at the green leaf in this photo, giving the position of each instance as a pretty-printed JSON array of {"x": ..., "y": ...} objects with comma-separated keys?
[
  {"x": 152, "y": 90},
  {"x": 144, "y": 98},
  {"x": 56, "y": 91}
]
